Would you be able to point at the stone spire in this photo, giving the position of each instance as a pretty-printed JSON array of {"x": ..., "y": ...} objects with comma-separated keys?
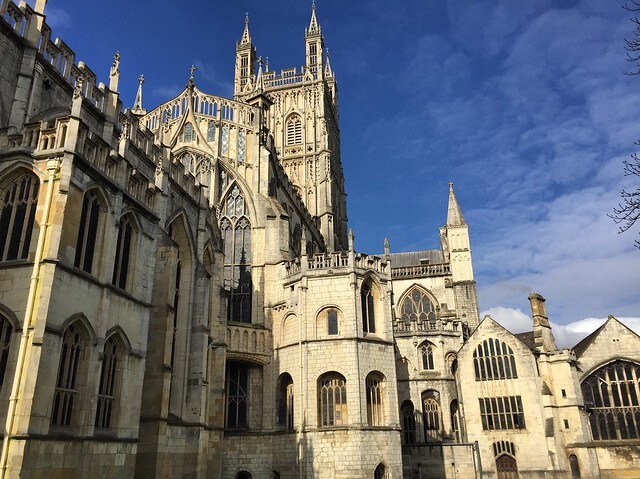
[
  {"x": 313, "y": 23},
  {"x": 328, "y": 72},
  {"x": 137, "y": 104},
  {"x": 259, "y": 86},
  {"x": 454, "y": 214},
  {"x": 191, "y": 83},
  {"x": 246, "y": 36}
]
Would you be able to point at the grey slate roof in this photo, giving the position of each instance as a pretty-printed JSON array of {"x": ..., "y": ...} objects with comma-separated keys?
[{"x": 413, "y": 258}]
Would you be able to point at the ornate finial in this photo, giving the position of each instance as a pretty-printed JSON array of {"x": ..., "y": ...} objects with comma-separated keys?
[
  {"x": 313, "y": 24},
  {"x": 137, "y": 104},
  {"x": 386, "y": 247},
  {"x": 451, "y": 185},
  {"x": 351, "y": 239},
  {"x": 192, "y": 70},
  {"x": 260, "y": 61},
  {"x": 266, "y": 64},
  {"x": 246, "y": 18},
  {"x": 313, "y": 4},
  {"x": 115, "y": 67},
  {"x": 246, "y": 36}
]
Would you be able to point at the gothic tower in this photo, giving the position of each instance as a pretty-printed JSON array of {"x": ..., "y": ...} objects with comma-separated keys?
[{"x": 305, "y": 124}]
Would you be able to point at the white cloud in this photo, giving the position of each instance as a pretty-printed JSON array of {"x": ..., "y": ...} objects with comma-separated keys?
[
  {"x": 567, "y": 335},
  {"x": 57, "y": 17}
]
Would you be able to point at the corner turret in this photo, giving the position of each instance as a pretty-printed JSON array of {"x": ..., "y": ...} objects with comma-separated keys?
[{"x": 245, "y": 63}]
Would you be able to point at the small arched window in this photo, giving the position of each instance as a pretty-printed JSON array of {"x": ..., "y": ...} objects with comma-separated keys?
[
  {"x": 124, "y": 252},
  {"x": 211, "y": 131},
  {"x": 574, "y": 465},
  {"x": 375, "y": 412},
  {"x": 18, "y": 205},
  {"x": 506, "y": 467},
  {"x": 189, "y": 134},
  {"x": 332, "y": 400},
  {"x": 426, "y": 353},
  {"x": 244, "y": 475},
  {"x": 332, "y": 321},
  {"x": 408, "y": 418},
  {"x": 285, "y": 401},
  {"x": 74, "y": 343},
  {"x": 5, "y": 343},
  {"x": 109, "y": 379},
  {"x": 380, "y": 472},
  {"x": 416, "y": 306},
  {"x": 368, "y": 310},
  {"x": 494, "y": 359},
  {"x": 88, "y": 231},
  {"x": 452, "y": 363},
  {"x": 612, "y": 396},
  {"x": 294, "y": 130}
]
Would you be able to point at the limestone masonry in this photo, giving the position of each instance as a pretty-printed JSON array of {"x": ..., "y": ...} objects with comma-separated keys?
[{"x": 180, "y": 297}]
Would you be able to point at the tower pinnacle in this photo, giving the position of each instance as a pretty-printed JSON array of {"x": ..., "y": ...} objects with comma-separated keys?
[
  {"x": 454, "y": 214},
  {"x": 314, "y": 28},
  {"x": 246, "y": 36},
  {"x": 137, "y": 104}
]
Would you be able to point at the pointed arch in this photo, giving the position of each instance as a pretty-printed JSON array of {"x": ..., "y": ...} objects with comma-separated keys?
[
  {"x": 285, "y": 401},
  {"x": 426, "y": 352},
  {"x": 408, "y": 422},
  {"x": 369, "y": 298},
  {"x": 179, "y": 217},
  {"x": 91, "y": 230},
  {"x": 293, "y": 129},
  {"x": 84, "y": 323},
  {"x": 119, "y": 335},
  {"x": 126, "y": 248},
  {"x": 417, "y": 304}
]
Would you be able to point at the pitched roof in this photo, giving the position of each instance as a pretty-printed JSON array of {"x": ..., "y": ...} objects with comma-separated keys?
[
  {"x": 416, "y": 258},
  {"x": 527, "y": 338}
]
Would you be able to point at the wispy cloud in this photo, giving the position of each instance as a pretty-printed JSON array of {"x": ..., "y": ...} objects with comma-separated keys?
[{"x": 57, "y": 17}]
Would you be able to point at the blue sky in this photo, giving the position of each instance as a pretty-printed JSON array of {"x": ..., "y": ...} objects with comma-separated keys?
[{"x": 523, "y": 105}]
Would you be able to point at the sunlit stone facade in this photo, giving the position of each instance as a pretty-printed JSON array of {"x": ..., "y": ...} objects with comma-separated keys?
[{"x": 180, "y": 297}]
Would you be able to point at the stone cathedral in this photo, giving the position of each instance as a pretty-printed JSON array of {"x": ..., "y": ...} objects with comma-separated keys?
[{"x": 180, "y": 297}]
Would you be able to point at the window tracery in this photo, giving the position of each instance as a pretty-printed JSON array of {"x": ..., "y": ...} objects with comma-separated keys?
[
  {"x": 375, "y": 413},
  {"x": 503, "y": 412},
  {"x": 88, "y": 231},
  {"x": 612, "y": 394},
  {"x": 124, "y": 252},
  {"x": 17, "y": 216},
  {"x": 236, "y": 236},
  {"x": 426, "y": 353},
  {"x": 242, "y": 146},
  {"x": 74, "y": 343},
  {"x": 332, "y": 399},
  {"x": 417, "y": 306},
  {"x": 285, "y": 401},
  {"x": 494, "y": 359},
  {"x": 106, "y": 407},
  {"x": 189, "y": 134},
  {"x": 432, "y": 416},
  {"x": 294, "y": 130},
  {"x": 225, "y": 139}
]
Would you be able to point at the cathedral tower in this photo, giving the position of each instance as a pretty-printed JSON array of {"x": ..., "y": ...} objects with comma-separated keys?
[{"x": 245, "y": 63}]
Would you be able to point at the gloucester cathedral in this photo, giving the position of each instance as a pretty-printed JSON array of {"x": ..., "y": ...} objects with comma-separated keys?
[{"x": 180, "y": 297}]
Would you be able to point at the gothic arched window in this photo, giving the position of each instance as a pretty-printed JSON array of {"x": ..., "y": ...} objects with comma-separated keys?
[
  {"x": 285, "y": 401},
  {"x": 106, "y": 409},
  {"x": 611, "y": 395},
  {"x": 189, "y": 134},
  {"x": 375, "y": 412},
  {"x": 494, "y": 359},
  {"x": 426, "y": 353},
  {"x": 237, "y": 396},
  {"x": 88, "y": 232},
  {"x": 5, "y": 343},
  {"x": 368, "y": 310},
  {"x": 332, "y": 400},
  {"x": 124, "y": 252},
  {"x": 294, "y": 130},
  {"x": 17, "y": 216},
  {"x": 416, "y": 306},
  {"x": 380, "y": 472},
  {"x": 455, "y": 420},
  {"x": 574, "y": 465},
  {"x": 408, "y": 418},
  {"x": 211, "y": 131},
  {"x": 236, "y": 235},
  {"x": 432, "y": 415},
  {"x": 74, "y": 343}
]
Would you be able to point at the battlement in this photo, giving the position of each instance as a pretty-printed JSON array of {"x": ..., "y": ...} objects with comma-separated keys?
[
  {"x": 337, "y": 262},
  {"x": 288, "y": 77}
]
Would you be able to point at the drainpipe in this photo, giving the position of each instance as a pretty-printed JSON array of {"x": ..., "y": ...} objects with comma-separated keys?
[{"x": 53, "y": 167}]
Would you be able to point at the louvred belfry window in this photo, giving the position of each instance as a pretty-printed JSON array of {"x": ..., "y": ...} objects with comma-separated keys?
[{"x": 294, "y": 130}]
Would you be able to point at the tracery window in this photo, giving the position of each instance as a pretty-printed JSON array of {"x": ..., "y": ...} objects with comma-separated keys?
[
  {"x": 74, "y": 343},
  {"x": 225, "y": 139},
  {"x": 426, "y": 353},
  {"x": 237, "y": 396},
  {"x": 242, "y": 145},
  {"x": 375, "y": 412},
  {"x": 432, "y": 416},
  {"x": 294, "y": 130},
  {"x": 368, "y": 312},
  {"x": 189, "y": 134},
  {"x": 503, "y": 412},
  {"x": 416, "y": 306},
  {"x": 612, "y": 394},
  {"x": 106, "y": 408},
  {"x": 332, "y": 400},
  {"x": 88, "y": 231},
  {"x": 124, "y": 253},
  {"x": 494, "y": 359},
  {"x": 5, "y": 343},
  {"x": 211, "y": 131},
  {"x": 17, "y": 216},
  {"x": 407, "y": 414},
  {"x": 236, "y": 235},
  {"x": 285, "y": 401}
]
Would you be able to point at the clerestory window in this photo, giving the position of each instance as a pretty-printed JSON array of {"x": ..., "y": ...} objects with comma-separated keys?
[
  {"x": 494, "y": 359},
  {"x": 88, "y": 231},
  {"x": 124, "y": 253}
]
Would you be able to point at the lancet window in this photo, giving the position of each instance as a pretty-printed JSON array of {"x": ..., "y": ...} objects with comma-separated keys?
[
  {"x": 368, "y": 310},
  {"x": 375, "y": 413},
  {"x": 611, "y": 395},
  {"x": 332, "y": 400},
  {"x": 5, "y": 343},
  {"x": 17, "y": 216},
  {"x": 494, "y": 359},
  {"x": 416, "y": 306},
  {"x": 88, "y": 231},
  {"x": 432, "y": 416},
  {"x": 285, "y": 401},
  {"x": 407, "y": 415},
  {"x": 236, "y": 235},
  {"x": 74, "y": 343},
  {"x": 211, "y": 131},
  {"x": 106, "y": 408},
  {"x": 237, "y": 396},
  {"x": 426, "y": 353},
  {"x": 124, "y": 252}
]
